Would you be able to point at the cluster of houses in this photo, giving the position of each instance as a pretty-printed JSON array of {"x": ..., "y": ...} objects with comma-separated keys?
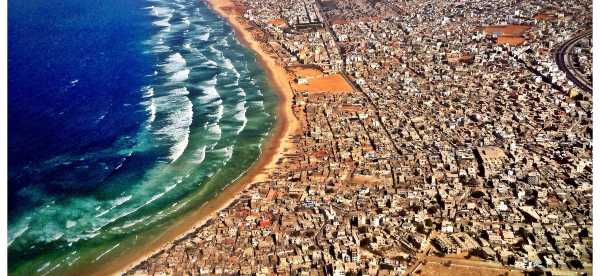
[{"x": 452, "y": 143}]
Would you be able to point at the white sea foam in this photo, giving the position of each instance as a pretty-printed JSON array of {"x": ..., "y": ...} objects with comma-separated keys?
[
  {"x": 168, "y": 188},
  {"x": 214, "y": 130},
  {"x": 153, "y": 73},
  {"x": 44, "y": 266},
  {"x": 115, "y": 203},
  {"x": 229, "y": 65},
  {"x": 101, "y": 117},
  {"x": 175, "y": 62},
  {"x": 119, "y": 201},
  {"x": 223, "y": 42},
  {"x": 162, "y": 23},
  {"x": 178, "y": 122},
  {"x": 152, "y": 111},
  {"x": 12, "y": 236},
  {"x": 172, "y": 112},
  {"x": 134, "y": 222},
  {"x": 212, "y": 81},
  {"x": 186, "y": 21},
  {"x": 161, "y": 11},
  {"x": 102, "y": 213},
  {"x": 218, "y": 114},
  {"x": 52, "y": 269},
  {"x": 179, "y": 206},
  {"x": 74, "y": 260},
  {"x": 181, "y": 75},
  {"x": 179, "y": 92},
  {"x": 240, "y": 116},
  {"x": 234, "y": 83},
  {"x": 161, "y": 49},
  {"x": 210, "y": 63},
  {"x": 199, "y": 155},
  {"x": 120, "y": 164},
  {"x": 153, "y": 198},
  {"x": 164, "y": 13},
  {"x": 239, "y": 130},
  {"x": 260, "y": 104},
  {"x": 70, "y": 224},
  {"x": 106, "y": 252},
  {"x": 204, "y": 36},
  {"x": 227, "y": 152},
  {"x": 56, "y": 236},
  {"x": 179, "y": 148},
  {"x": 210, "y": 93},
  {"x": 241, "y": 92},
  {"x": 213, "y": 135},
  {"x": 215, "y": 51},
  {"x": 148, "y": 91}
]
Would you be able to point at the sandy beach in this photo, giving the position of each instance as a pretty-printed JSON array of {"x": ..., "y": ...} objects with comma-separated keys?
[{"x": 273, "y": 148}]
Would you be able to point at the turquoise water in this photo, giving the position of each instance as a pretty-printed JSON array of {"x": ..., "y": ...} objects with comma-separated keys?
[{"x": 197, "y": 110}]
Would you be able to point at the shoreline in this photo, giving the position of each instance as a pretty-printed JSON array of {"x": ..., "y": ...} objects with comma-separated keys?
[{"x": 273, "y": 147}]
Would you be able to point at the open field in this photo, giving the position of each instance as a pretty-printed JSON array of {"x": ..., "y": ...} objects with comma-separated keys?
[
  {"x": 317, "y": 81},
  {"x": 439, "y": 269},
  {"x": 508, "y": 30},
  {"x": 278, "y": 22},
  {"x": 508, "y": 34},
  {"x": 511, "y": 40}
]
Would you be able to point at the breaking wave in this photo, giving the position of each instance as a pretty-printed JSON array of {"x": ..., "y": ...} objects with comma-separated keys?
[
  {"x": 178, "y": 121},
  {"x": 198, "y": 102}
]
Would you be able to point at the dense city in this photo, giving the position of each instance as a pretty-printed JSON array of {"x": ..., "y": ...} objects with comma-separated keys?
[{"x": 433, "y": 133}]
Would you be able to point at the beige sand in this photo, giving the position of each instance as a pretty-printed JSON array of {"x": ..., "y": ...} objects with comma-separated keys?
[{"x": 274, "y": 148}]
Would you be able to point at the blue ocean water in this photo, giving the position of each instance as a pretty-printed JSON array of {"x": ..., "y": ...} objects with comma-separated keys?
[{"x": 123, "y": 115}]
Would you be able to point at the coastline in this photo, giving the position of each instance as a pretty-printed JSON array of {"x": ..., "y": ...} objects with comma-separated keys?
[{"x": 274, "y": 146}]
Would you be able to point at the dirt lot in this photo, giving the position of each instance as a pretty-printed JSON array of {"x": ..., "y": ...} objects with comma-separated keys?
[
  {"x": 439, "y": 269},
  {"x": 509, "y": 34},
  {"x": 509, "y": 30},
  {"x": 278, "y": 22},
  {"x": 317, "y": 81},
  {"x": 511, "y": 40}
]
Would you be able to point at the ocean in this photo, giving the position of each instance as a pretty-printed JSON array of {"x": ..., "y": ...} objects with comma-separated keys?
[{"x": 123, "y": 116}]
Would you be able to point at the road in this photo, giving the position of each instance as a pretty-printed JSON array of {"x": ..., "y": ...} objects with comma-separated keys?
[{"x": 564, "y": 62}]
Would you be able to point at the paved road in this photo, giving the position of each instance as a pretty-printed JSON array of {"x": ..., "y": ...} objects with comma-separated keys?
[{"x": 564, "y": 63}]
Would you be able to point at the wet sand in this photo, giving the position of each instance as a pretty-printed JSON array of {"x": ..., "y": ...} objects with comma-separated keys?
[{"x": 273, "y": 148}]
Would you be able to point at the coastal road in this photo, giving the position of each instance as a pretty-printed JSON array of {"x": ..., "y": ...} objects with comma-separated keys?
[{"x": 564, "y": 62}]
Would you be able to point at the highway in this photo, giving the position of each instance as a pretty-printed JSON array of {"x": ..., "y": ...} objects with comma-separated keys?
[{"x": 564, "y": 63}]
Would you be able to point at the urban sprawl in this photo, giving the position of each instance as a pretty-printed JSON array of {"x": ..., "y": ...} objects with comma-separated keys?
[{"x": 432, "y": 132}]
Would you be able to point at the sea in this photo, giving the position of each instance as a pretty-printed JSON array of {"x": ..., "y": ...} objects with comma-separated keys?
[{"x": 123, "y": 116}]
